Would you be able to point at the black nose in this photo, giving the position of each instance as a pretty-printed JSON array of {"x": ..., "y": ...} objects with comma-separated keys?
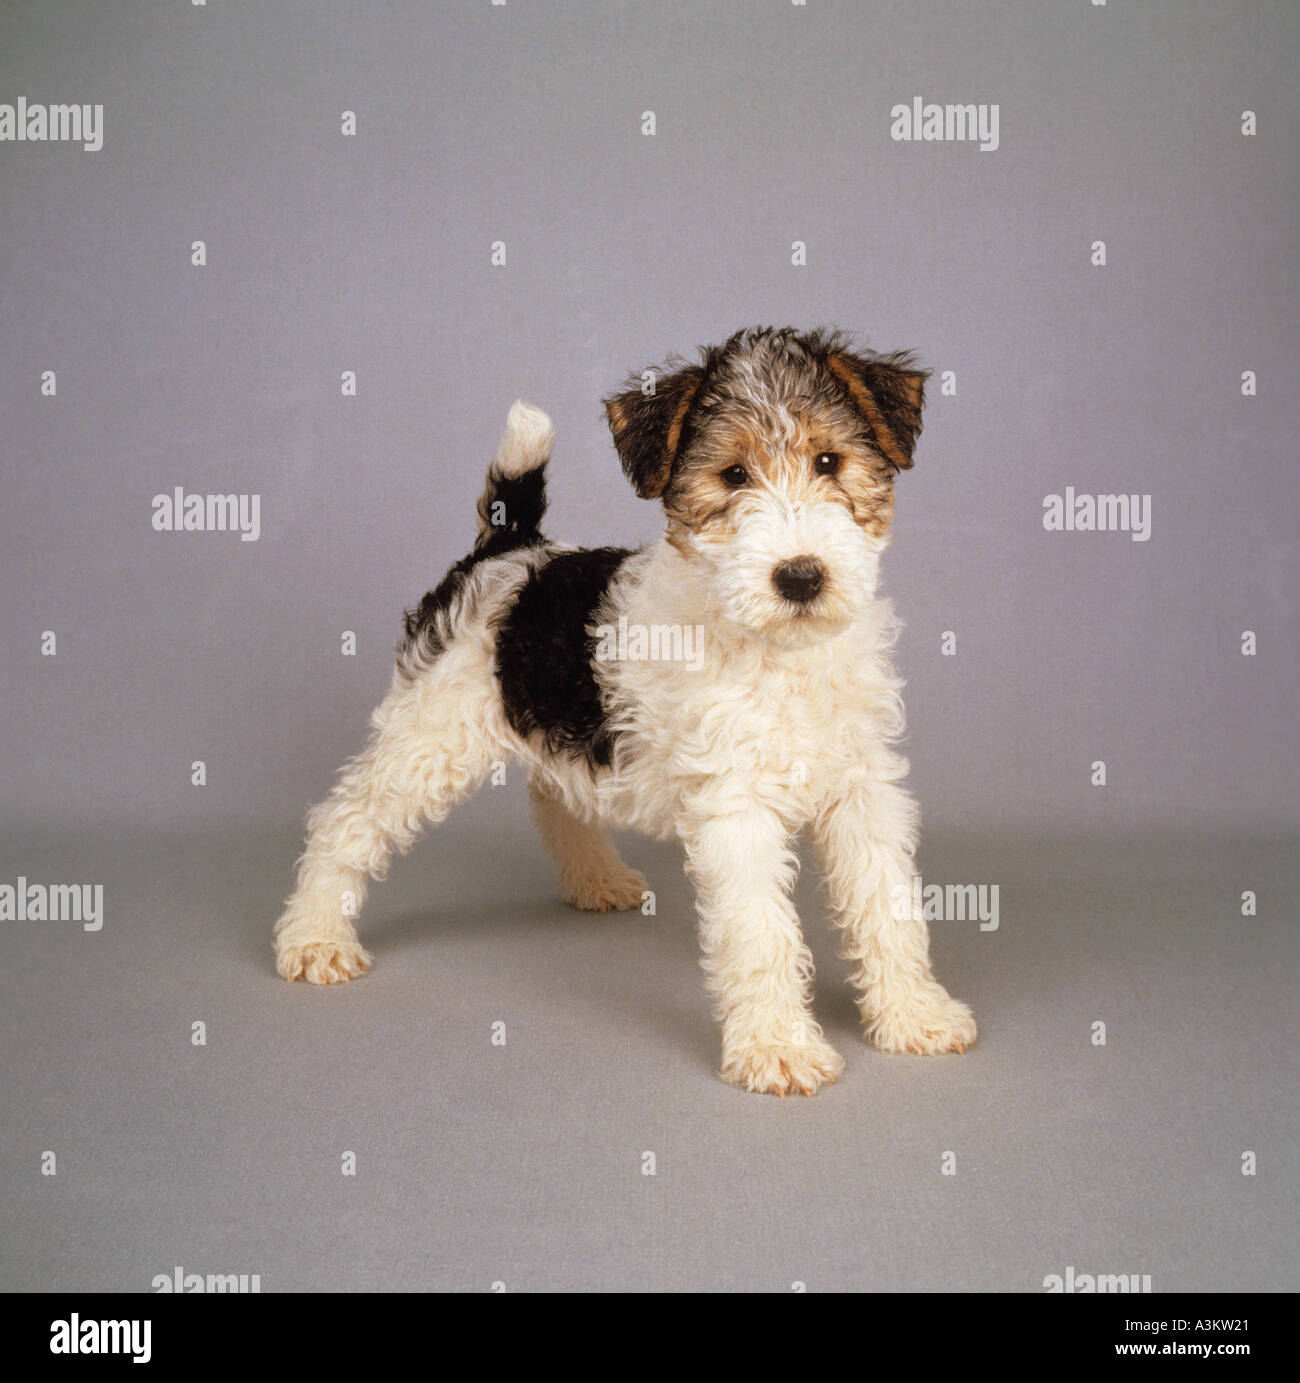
[{"x": 800, "y": 578}]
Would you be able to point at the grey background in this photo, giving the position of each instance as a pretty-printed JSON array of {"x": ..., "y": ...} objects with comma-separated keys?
[{"x": 521, "y": 123}]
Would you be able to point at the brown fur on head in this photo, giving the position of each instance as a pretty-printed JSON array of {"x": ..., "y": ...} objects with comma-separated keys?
[{"x": 771, "y": 401}]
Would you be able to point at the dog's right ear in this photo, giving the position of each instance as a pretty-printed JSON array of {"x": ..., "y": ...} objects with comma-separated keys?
[{"x": 649, "y": 428}]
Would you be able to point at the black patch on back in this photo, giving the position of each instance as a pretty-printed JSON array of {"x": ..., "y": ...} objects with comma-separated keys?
[
  {"x": 544, "y": 654},
  {"x": 421, "y": 624}
]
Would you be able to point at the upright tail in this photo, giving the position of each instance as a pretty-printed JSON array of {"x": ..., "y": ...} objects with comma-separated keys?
[{"x": 514, "y": 498}]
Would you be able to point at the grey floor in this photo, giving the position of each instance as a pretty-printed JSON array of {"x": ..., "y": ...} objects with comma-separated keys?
[{"x": 523, "y": 1164}]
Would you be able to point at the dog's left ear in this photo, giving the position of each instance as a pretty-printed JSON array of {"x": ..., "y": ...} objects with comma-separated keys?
[
  {"x": 649, "y": 429},
  {"x": 889, "y": 392}
]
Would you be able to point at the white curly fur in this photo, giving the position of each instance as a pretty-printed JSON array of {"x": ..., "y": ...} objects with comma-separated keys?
[{"x": 787, "y": 727}]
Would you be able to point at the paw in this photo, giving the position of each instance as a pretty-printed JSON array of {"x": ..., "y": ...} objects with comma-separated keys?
[
  {"x": 607, "y": 893},
  {"x": 780, "y": 1068},
  {"x": 323, "y": 962},
  {"x": 926, "y": 1024}
]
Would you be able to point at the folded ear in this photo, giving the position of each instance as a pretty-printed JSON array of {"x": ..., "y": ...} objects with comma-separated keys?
[
  {"x": 649, "y": 428},
  {"x": 889, "y": 392}
]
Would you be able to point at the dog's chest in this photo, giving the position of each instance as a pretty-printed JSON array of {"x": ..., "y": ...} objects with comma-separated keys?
[{"x": 738, "y": 729}]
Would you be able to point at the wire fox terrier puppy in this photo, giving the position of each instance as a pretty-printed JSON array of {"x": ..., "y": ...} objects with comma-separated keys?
[{"x": 774, "y": 459}]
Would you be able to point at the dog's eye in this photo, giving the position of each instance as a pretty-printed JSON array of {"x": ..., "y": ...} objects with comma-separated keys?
[
  {"x": 736, "y": 476},
  {"x": 827, "y": 463}
]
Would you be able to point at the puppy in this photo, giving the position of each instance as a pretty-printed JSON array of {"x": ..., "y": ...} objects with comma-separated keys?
[{"x": 729, "y": 685}]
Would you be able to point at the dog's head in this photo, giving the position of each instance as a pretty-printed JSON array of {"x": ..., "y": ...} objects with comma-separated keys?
[{"x": 775, "y": 459}]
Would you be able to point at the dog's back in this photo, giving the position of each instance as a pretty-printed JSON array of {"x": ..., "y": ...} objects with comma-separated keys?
[{"x": 538, "y": 597}]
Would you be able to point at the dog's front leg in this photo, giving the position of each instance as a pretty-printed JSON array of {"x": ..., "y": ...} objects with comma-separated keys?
[
  {"x": 759, "y": 969},
  {"x": 865, "y": 839}
]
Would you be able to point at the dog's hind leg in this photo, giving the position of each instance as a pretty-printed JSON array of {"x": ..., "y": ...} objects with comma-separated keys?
[
  {"x": 434, "y": 738},
  {"x": 590, "y": 871}
]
